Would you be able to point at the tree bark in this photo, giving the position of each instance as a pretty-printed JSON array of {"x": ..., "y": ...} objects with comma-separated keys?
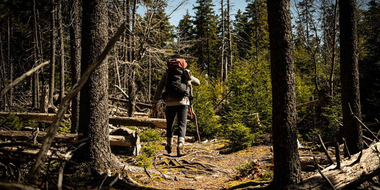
[
  {"x": 10, "y": 62},
  {"x": 35, "y": 58},
  {"x": 352, "y": 130},
  {"x": 62, "y": 51},
  {"x": 287, "y": 169},
  {"x": 52, "y": 53},
  {"x": 75, "y": 54},
  {"x": 222, "y": 57},
  {"x": 229, "y": 40},
  {"x": 94, "y": 116}
]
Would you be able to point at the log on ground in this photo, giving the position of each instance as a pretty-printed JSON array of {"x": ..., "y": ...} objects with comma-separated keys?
[
  {"x": 115, "y": 140},
  {"x": 349, "y": 174},
  {"x": 128, "y": 121}
]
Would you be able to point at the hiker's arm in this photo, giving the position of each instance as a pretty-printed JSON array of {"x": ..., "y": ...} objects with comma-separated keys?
[
  {"x": 195, "y": 81},
  {"x": 160, "y": 88}
]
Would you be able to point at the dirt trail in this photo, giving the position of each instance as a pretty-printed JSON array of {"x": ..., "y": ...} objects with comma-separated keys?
[{"x": 204, "y": 166}]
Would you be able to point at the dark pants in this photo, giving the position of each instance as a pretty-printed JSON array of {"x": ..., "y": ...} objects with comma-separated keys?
[{"x": 171, "y": 112}]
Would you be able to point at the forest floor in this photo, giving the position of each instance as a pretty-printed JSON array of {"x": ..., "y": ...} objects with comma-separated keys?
[{"x": 211, "y": 165}]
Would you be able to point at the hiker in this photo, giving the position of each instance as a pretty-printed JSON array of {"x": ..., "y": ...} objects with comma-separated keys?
[{"x": 177, "y": 81}]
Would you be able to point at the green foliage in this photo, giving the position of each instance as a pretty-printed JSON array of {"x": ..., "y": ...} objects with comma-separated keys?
[
  {"x": 151, "y": 149},
  {"x": 241, "y": 136},
  {"x": 267, "y": 174},
  {"x": 205, "y": 97},
  {"x": 249, "y": 85},
  {"x": 247, "y": 169},
  {"x": 143, "y": 160},
  {"x": 65, "y": 126},
  {"x": 150, "y": 135},
  {"x": 15, "y": 123},
  {"x": 332, "y": 113},
  {"x": 329, "y": 126},
  {"x": 313, "y": 135}
]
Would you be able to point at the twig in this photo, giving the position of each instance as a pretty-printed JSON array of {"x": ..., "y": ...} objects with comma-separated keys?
[
  {"x": 346, "y": 148},
  {"x": 122, "y": 91},
  {"x": 62, "y": 167},
  {"x": 101, "y": 184},
  {"x": 324, "y": 148},
  {"x": 337, "y": 155},
  {"x": 35, "y": 135},
  {"x": 323, "y": 175},
  {"x": 147, "y": 173},
  {"x": 358, "y": 159},
  {"x": 115, "y": 180},
  {"x": 155, "y": 167},
  {"x": 22, "y": 77},
  {"x": 356, "y": 117}
]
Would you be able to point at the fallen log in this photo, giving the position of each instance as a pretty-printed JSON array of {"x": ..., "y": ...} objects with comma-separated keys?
[
  {"x": 127, "y": 121},
  {"x": 138, "y": 121},
  {"x": 32, "y": 116},
  {"x": 349, "y": 174},
  {"x": 115, "y": 140},
  {"x": 307, "y": 104}
]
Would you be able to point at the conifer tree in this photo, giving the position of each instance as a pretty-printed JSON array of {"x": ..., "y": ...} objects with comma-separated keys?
[{"x": 205, "y": 31}]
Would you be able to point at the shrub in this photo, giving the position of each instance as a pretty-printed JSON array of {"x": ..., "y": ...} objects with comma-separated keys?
[
  {"x": 150, "y": 150},
  {"x": 15, "y": 123},
  {"x": 250, "y": 168},
  {"x": 150, "y": 135},
  {"x": 143, "y": 160},
  {"x": 241, "y": 136}
]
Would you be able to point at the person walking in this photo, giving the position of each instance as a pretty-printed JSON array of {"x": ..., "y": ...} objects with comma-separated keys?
[{"x": 177, "y": 81}]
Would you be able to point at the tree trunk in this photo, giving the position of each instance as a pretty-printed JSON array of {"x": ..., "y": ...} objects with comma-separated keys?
[
  {"x": 332, "y": 74},
  {"x": 75, "y": 61},
  {"x": 3, "y": 73},
  {"x": 222, "y": 57},
  {"x": 35, "y": 59},
  {"x": 94, "y": 119},
  {"x": 287, "y": 168},
  {"x": 10, "y": 62},
  {"x": 229, "y": 39},
  {"x": 62, "y": 52},
  {"x": 52, "y": 53},
  {"x": 352, "y": 130}
]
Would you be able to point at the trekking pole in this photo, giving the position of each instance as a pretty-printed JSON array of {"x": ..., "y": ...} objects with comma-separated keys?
[{"x": 193, "y": 113}]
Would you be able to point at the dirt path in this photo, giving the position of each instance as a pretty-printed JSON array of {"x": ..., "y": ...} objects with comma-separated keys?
[{"x": 204, "y": 166}]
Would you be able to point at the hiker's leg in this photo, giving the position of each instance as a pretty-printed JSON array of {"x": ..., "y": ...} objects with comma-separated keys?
[
  {"x": 170, "y": 116},
  {"x": 182, "y": 117}
]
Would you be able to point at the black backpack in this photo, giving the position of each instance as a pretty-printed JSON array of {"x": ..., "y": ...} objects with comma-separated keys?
[{"x": 176, "y": 85}]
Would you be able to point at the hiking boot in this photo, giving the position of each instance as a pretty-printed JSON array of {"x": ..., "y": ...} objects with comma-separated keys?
[
  {"x": 169, "y": 145},
  {"x": 181, "y": 142}
]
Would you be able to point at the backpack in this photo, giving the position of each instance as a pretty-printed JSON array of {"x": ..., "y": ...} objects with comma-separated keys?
[{"x": 176, "y": 85}]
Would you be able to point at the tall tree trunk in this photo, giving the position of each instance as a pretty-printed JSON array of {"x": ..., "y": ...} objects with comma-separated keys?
[
  {"x": 10, "y": 61},
  {"x": 350, "y": 75},
  {"x": 62, "y": 52},
  {"x": 2, "y": 72},
  {"x": 52, "y": 53},
  {"x": 35, "y": 85},
  {"x": 94, "y": 115},
  {"x": 133, "y": 29},
  {"x": 287, "y": 168},
  {"x": 223, "y": 29},
  {"x": 128, "y": 41},
  {"x": 229, "y": 39},
  {"x": 332, "y": 73},
  {"x": 75, "y": 58}
]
